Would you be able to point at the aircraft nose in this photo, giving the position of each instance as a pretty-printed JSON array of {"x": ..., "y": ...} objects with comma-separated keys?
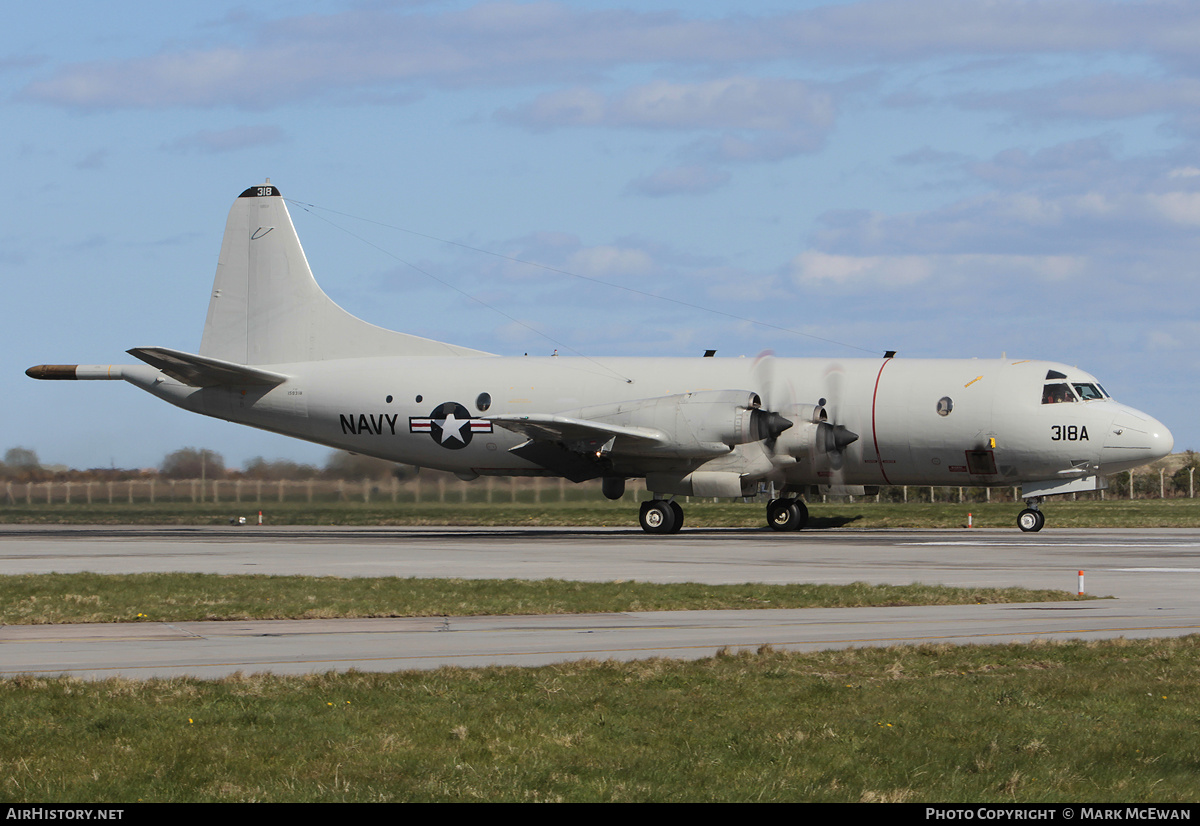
[
  {"x": 1136, "y": 439},
  {"x": 1162, "y": 442}
]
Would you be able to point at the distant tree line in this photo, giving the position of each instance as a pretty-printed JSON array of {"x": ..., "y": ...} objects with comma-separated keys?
[{"x": 21, "y": 464}]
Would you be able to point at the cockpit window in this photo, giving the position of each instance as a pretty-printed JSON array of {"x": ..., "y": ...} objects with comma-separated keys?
[
  {"x": 1057, "y": 393},
  {"x": 1054, "y": 374},
  {"x": 1087, "y": 392}
]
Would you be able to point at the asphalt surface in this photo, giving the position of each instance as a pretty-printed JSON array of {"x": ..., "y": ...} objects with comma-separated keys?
[{"x": 1153, "y": 575}]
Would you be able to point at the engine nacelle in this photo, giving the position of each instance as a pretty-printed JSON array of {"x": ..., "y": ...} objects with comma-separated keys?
[{"x": 813, "y": 434}]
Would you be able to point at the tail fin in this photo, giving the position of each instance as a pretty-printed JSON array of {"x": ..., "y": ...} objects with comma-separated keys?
[{"x": 266, "y": 307}]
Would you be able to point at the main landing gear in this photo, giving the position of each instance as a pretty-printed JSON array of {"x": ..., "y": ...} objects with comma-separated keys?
[
  {"x": 661, "y": 516},
  {"x": 1031, "y": 519},
  {"x": 787, "y": 514},
  {"x": 666, "y": 516}
]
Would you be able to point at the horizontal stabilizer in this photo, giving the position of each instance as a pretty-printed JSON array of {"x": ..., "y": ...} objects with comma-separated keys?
[{"x": 202, "y": 371}]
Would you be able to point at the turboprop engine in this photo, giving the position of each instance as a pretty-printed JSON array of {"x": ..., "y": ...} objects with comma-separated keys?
[{"x": 814, "y": 435}]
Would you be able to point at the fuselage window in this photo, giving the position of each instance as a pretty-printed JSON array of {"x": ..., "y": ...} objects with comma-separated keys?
[
  {"x": 1087, "y": 392},
  {"x": 1057, "y": 393}
]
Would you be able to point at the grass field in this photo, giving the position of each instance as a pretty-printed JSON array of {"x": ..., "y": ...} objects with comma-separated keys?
[
  {"x": 1070, "y": 722},
  {"x": 1137, "y": 513},
  {"x": 179, "y": 597}
]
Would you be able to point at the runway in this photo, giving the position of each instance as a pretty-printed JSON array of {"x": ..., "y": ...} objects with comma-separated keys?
[{"x": 1152, "y": 573}]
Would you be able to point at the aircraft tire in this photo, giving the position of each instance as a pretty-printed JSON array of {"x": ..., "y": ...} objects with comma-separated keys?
[
  {"x": 786, "y": 514},
  {"x": 676, "y": 509},
  {"x": 803, "y": 508},
  {"x": 657, "y": 516},
  {"x": 1030, "y": 520}
]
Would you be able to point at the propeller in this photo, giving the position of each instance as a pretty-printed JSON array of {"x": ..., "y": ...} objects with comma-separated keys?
[
  {"x": 823, "y": 432},
  {"x": 767, "y": 424},
  {"x": 833, "y": 437},
  {"x": 781, "y": 410}
]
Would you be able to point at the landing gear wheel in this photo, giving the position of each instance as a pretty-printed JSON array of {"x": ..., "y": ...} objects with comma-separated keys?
[
  {"x": 657, "y": 516},
  {"x": 678, "y": 511},
  {"x": 787, "y": 514},
  {"x": 1030, "y": 520}
]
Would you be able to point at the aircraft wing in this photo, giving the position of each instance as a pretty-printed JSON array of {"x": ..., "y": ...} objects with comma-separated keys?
[
  {"x": 578, "y": 448},
  {"x": 551, "y": 427},
  {"x": 574, "y": 447},
  {"x": 203, "y": 371}
]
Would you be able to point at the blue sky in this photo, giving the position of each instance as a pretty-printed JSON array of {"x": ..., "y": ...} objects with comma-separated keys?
[{"x": 930, "y": 176}]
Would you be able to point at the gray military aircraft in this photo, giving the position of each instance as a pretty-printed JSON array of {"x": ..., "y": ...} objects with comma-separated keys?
[{"x": 279, "y": 355}]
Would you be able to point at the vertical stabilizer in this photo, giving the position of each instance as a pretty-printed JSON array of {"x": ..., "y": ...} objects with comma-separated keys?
[{"x": 266, "y": 307}]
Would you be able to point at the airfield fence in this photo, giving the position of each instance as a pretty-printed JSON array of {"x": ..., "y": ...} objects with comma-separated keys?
[{"x": 443, "y": 488}]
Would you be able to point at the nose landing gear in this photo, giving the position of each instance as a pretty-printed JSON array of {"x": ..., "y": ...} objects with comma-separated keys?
[{"x": 1031, "y": 519}]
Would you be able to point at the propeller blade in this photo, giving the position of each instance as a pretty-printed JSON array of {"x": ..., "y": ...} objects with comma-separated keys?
[
  {"x": 769, "y": 422},
  {"x": 837, "y": 437},
  {"x": 764, "y": 377}
]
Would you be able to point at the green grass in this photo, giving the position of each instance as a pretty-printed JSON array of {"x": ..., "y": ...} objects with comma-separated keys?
[
  {"x": 54, "y": 598},
  {"x": 1139, "y": 513},
  {"x": 1055, "y": 722}
]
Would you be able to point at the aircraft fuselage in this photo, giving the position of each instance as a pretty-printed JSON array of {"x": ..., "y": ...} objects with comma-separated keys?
[{"x": 919, "y": 422}]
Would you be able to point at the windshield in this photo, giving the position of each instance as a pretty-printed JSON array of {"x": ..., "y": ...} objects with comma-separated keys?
[
  {"x": 1057, "y": 393},
  {"x": 1087, "y": 392}
]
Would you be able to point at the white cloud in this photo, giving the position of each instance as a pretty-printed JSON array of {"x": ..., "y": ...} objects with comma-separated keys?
[
  {"x": 1177, "y": 207},
  {"x": 93, "y": 160},
  {"x": 265, "y": 64},
  {"x": 1179, "y": 336},
  {"x": 1071, "y": 198},
  {"x": 1070, "y": 165},
  {"x": 814, "y": 269},
  {"x": 746, "y": 119},
  {"x": 757, "y": 104},
  {"x": 756, "y": 118},
  {"x": 906, "y": 30},
  {"x": 695, "y": 179},
  {"x": 227, "y": 140},
  {"x": 607, "y": 260},
  {"x": 314, "y": 56},
  {"x": 1098, "y": 97},
  {"x": 578, "y": 106}
]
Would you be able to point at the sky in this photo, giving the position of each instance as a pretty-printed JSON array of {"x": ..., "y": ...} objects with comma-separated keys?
[{"x": 832, "y": 179}]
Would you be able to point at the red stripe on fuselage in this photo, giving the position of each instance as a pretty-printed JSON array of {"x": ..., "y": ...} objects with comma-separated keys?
[{"x": 874, "y": 435}]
